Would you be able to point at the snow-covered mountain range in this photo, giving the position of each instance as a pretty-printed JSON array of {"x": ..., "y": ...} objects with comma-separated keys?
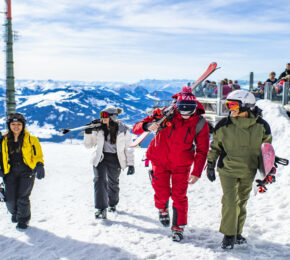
[{"x": 51, "y": 105}]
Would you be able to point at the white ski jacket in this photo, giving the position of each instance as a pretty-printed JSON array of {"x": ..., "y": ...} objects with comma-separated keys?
[{"x": 124, "y": 152}]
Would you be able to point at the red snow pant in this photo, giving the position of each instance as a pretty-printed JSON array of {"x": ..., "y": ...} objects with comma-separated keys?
[{"x": 177, "y": 190}]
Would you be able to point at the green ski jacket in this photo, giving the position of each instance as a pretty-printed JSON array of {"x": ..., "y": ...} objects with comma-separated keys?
[{"x": 237, "y": 143}]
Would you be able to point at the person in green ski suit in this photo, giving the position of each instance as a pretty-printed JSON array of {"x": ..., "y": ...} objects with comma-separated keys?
[{"x": 237, "y": 142}]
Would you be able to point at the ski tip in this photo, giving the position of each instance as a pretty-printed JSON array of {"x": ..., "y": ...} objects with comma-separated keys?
[{"x": 64, "y": 131}]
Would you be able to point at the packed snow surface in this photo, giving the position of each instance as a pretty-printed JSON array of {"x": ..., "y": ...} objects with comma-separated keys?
[{"x": 63, "y": 224}]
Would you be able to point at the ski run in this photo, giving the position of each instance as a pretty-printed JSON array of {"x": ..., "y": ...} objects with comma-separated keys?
[{"x": 63, "y": 224}]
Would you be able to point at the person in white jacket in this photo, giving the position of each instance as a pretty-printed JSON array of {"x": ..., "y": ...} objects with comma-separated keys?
[{"x": 111, "y": 153}]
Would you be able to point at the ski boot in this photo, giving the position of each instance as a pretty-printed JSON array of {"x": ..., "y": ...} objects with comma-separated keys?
[
  {"x": 101, "y": 213},
  {"x": 13, "y": 219},
  {"x": 112, "y": 209},
  {"x": 22, "y": 226},
  {"x": 228, "y": 242},
  {"x": 164, "y": 217},
  {"x": 240, "y": 240},
  {"x": 177, "y": 233}
]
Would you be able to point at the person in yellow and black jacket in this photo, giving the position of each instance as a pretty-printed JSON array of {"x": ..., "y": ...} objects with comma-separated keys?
[{"x": 21, "y": 160}]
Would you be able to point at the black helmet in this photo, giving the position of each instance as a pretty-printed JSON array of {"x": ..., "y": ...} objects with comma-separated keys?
[{"x": 15, "y": 117}]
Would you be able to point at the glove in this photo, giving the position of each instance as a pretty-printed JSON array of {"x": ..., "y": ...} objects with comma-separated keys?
[
  {"x": 89, "y": 130},
  {"x": 157, "y": 114},
  {"x": 211, "y": 171},
  {"x": 131, "y": 170},
  {"x": 39, "y": 171},
  {"x": 1, "y": 173}
]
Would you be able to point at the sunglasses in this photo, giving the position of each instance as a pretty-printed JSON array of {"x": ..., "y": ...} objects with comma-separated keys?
[
  {"x": 232, "y": 105},
  {"x": 104, "y": 115}
]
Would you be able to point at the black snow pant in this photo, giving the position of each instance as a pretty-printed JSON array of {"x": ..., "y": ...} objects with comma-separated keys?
[
  {"x": 106, "y": 181},
  {"x": 18, "y": 186}
]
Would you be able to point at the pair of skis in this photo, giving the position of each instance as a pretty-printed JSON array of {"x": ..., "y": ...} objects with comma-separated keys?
[{"x": 166, "y": 113}]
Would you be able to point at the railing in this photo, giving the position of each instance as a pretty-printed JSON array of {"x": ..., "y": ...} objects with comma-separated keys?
[
  {"x": 214, "y": 103},
  {"x": 276, "y": 94}
]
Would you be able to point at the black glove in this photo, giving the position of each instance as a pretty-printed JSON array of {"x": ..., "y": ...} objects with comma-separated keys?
[
  {"x": 1, "y": 173},
  {"x": 39, "y": 171},
  {"x": 91, "y": 129},
  {"x": 131, "y": 170},
  {"x": 211, "y": 171}
]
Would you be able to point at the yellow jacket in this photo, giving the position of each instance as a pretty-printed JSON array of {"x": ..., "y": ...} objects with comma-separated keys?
[{"x": 31, "y": 151}]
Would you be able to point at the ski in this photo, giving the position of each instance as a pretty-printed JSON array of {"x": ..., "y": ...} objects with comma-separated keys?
[
  {"x": 169, "y": 110},
  {"x": 211, "y": 68},
  {"x": 65, "y": 131}
]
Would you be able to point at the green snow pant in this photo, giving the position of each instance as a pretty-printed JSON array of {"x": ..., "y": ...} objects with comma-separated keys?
[{"x": 236, "y": 192}]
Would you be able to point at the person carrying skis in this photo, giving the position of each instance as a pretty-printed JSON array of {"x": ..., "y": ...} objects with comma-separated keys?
[
  {"x": 173, "y": 151},
  {"x": 21, "y": 161},
  {"x": 237, "y": 142},
  {"x": 111, "y": 154}
]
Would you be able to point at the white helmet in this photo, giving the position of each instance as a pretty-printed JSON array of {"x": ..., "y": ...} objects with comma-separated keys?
[{"x": 246, "y": 99}]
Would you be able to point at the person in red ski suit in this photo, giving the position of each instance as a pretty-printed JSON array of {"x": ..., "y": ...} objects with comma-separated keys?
[{"x": 172, "y": 152}]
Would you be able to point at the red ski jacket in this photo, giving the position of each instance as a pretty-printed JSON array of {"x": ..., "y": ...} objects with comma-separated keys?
[{"x": 174, "y": 145}]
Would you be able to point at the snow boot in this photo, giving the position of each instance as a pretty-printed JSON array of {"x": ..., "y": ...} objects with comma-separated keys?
[
  {"x": 240, "y": 240},
  {"x": 177, "y": 233},
  {"x": 164, "y": 217},
  {"x": 112, "y": 209},
  {"x": 22, "y": 226},
  {"x": 101, "y": 213},
  {"x": 228, "y": 242},
  {"x": 13, "y": 219}
]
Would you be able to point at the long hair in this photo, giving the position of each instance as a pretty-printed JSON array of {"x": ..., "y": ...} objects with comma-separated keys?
[
  {"x": 10, "y": 141},
  {"x": 113, "y": 130}
]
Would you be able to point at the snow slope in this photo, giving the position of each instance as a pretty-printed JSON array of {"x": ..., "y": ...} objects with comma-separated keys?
[{"x": 63, "y": 224}]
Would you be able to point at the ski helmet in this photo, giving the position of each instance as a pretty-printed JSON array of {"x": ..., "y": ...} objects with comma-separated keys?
[
  {"x": 245, "y": 99},
  {"x": 186, "y": 103},
  {"x": 15, "y": 117}
]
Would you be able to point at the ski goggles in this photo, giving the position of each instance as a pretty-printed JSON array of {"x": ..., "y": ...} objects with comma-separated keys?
[
  {"x": 15, "y": 117},
  {"x": 105, "y": 115},
  {"x": 232, "y": 105}
]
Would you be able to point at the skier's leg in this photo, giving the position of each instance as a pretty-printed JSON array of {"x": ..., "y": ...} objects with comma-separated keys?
[
  {"x": 114, "y": 170},
  {"x": 11, "y": 185},
  {"x": 25, "y": 185},
  {"x": 245, "y": 187},
  {"x": 230, "y": 205},
  {"x": 100, "y": 186},
  {"x": 180, "y": 200},
  {"x": 161, "y": 186}
]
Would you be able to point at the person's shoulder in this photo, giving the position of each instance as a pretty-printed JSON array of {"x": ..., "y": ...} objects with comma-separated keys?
[
  {"x": 123, "y": 128},
  {"x": 223, "y": 122},
  {"x": 265, "y": 124},
  {"x": 30, "y": 137}
]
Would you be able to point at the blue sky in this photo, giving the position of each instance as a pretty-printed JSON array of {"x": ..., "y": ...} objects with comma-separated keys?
[{"x": 130, "y": 40}]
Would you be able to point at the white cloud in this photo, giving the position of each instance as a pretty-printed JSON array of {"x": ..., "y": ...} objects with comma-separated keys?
[{"x": 133, "y": 39}]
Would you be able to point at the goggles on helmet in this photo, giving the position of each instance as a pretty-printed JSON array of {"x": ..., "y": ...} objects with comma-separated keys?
[
  {"x": 104, "y": 115},
  {"x": 232, "y": 105},
  {"x": 15, "y": 117}
]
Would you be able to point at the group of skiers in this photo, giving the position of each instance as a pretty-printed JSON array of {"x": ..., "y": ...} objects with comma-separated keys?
[{"x": 178, "y": 153}]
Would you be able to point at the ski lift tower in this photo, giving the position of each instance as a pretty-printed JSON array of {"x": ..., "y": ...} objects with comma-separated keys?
[{"x": 10, "y": 88}]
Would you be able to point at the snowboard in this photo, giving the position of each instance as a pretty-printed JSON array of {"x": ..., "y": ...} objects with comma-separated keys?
[{"x": 267, "y": 167}]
